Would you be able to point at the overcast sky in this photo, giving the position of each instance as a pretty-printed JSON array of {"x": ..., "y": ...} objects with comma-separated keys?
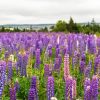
[{"x": 48, "y": 11}]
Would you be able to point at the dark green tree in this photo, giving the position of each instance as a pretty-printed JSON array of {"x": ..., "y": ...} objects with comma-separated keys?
[
  {"x": 71, "y": 26},
  {"x": 3, "y": 29},
  {"x": 60, "y": 26},
  {"x": 45, "y": 29}
]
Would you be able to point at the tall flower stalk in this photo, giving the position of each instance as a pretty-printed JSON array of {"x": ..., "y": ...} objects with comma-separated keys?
[
  {"x": 69, "y": 88},
  {"x": 66, "y": 67},
  {"x": 50, "y": 87}
]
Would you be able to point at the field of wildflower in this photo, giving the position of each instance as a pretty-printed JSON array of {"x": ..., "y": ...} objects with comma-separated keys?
[{"x": 49, "y": 66}]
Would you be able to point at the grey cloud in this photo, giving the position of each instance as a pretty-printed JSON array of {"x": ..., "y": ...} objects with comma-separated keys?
[{"x": 46, "y": 11}]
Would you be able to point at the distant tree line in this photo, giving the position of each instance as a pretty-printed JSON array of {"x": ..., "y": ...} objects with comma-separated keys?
[
  {"x": 62, "y": 26},
  {"x": 4, "y": 29},
  {"x": 71, "y": 26}
]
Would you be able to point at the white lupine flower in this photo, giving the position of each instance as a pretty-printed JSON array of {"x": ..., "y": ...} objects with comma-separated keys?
[{"x": 53, "y": 98}]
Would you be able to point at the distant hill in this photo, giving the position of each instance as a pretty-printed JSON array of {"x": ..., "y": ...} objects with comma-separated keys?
[
  {"x": 28, "y": 26},
  {"x": 34, "y": 26}
]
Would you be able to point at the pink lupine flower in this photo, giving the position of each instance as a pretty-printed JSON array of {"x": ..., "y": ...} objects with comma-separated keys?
[
  {"x": 66, "y": 67},
  {"x": 74, "y": 88}
]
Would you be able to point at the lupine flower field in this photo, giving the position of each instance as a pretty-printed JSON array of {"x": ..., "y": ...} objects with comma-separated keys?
[{"x": 49, "y": 66}]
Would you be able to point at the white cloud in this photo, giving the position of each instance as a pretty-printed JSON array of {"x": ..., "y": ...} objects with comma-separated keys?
[{"x": 48, "y": 11}]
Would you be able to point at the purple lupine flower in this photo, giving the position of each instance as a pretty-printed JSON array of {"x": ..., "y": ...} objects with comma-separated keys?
[
  {"x": 69, "y": 40},
  {"x": 90, "y": 64},
  {"x": 83, "y": 57},
  {"x": 69, "y": 88},
  {"x": 19, "y": 63},
  {"x": 10, "y": 71},
  {"x": 47, "y": 71},
  {"x": 50, "y": 87},
  {"x": 74, "y": 61},
  {"x": 64, "y": 50},
  {"x": 76, "y": 55},
  {"x": 2, "y": 76},
  {"x": 57, "y": 45},
  {"x": 86, "y": 83},
  {"x": 91, "y": 45},
  {"x": 88, "y": 69},
  {"x": 87, "y": 72},
  {"x": 6, "y": 54},
  {"x": 17, "y": 85},
  {"x": 33, "y": 82},
  {"x": 96, "y": 64},
  {"x": 57, "y": 64},
  {"x": 45, "y": 41},
  {"x": 81, "y": 41},
  {"x": 1, "y": 87},
  {"x": 12, "y": 93},
  {"x": 57, "y": 52},
  {"x": 40, "y": 45},
  {"x": 98, "y": 51},
  {"x": 94, "y": 87},
  {"x": 1, "y": 81},
  {"x": 37, "y": 45},
  {"x": 74, "y": 42},
  {"x": 32, "y": 49},
  {"x": 98, "y": 42},
  {"x": 37, "y": 63},
  {"x": 50, "y": 50},
  {"x": 31, "y": 95},
  {"x": 87, "y": 94},
  {"x": 34, "y": 86},
  {"x": 82, "y": 66},
  {"x": 60, "y": 58},
  {"x": 23, "y": 68},
  {"x": 75, "y": 58}
]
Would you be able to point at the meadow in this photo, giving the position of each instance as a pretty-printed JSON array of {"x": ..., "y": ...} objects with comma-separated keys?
[{"x": 49, "y": 66}]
